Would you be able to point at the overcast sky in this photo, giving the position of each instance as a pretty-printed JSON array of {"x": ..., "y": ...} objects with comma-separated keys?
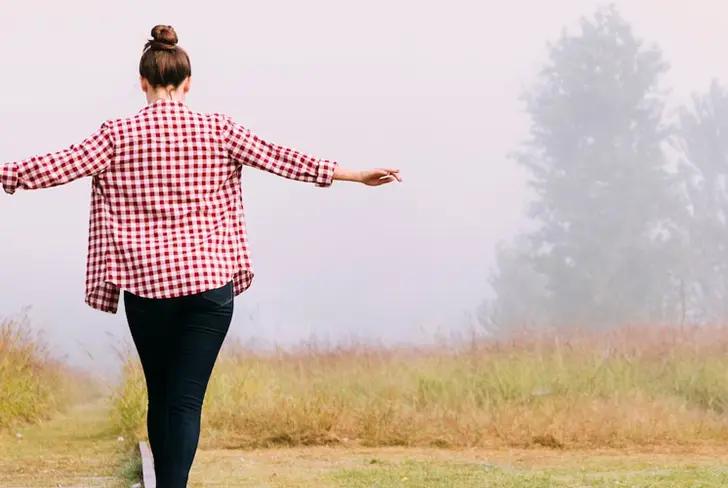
[{"x": 429, "y": 87}]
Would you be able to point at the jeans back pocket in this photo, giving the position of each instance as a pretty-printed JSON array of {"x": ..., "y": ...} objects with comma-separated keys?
[{"x": 219, "y": 296}]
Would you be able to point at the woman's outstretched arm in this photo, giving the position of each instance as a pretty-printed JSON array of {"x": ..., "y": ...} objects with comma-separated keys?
[
  {"x": 89, "y": 157},
  {"x": 250, "y": 149}
]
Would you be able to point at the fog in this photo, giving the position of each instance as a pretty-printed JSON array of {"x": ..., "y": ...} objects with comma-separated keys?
[{"x": 432, "y": 89}]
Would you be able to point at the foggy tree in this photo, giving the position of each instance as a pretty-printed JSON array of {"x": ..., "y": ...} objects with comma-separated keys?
[
  {"x": 703, "y": 141},
  {"x": 604, "y": 247},
  {"x": 519, "y": 288}
]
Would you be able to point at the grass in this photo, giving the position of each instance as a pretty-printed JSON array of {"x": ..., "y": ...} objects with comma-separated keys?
[
  {"x": 129, "y": 399},
  {"x": 636, "y": 386},
  {"x": 35, "y": 385},
  {"x": 55, "y": 427},
  {"x": 80, "y": 448},
  {"x": 75, "y": 448},
  {"x": 423, "y": 473},
  {"x": 382, "y": 467},
  {"x": 636, "y": 407}
]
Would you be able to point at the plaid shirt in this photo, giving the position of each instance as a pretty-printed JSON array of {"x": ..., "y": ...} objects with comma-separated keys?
[{"x": 166, "y": 216}]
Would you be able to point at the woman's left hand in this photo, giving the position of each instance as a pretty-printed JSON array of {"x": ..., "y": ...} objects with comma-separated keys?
[{"x": 379, "y": 176}]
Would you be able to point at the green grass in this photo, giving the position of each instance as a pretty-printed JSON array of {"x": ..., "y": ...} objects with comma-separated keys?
[
  {"x": 424, "y": 474},
  {"x": 417, "y": 473}
]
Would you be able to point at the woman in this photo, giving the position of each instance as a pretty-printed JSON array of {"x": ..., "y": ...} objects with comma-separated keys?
[{"x": 167, "y": 226}]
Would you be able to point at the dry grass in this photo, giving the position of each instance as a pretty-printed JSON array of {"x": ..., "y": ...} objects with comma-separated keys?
[
  {"x": 34, "y": 384},
  {"x": 636, "y": 386},
  {"x": 397, "y": 467},
  {"x": 129, "y": 399},
  {"x": 73, "y": 449}
]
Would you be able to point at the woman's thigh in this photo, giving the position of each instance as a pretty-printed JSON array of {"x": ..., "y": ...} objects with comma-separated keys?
[
  {"x": 200, "y": 328},
  {"x": 151, "y": 324}
]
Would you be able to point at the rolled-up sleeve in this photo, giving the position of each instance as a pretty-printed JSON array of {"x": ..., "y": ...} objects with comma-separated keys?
[
  {"x": 89, "y": 157},
  {"x": 9, "y": 177},
  {"x": 249, "y": 149}
]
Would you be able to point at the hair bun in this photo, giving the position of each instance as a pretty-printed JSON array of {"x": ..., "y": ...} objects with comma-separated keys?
[{"x": 164, "y": 34}]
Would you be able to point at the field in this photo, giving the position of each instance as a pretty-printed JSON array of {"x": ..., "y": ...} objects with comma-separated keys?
[
  {"x": 34, "y": 384},
  {"x": 54, "y": 428},
  {"x": 630, "y": 387},
  {"x": 638, "y": 406},
  {"x": 80, "y": 449}
]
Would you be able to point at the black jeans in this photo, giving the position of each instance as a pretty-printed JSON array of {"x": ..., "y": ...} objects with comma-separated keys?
[{"x": 178, "y": 340}]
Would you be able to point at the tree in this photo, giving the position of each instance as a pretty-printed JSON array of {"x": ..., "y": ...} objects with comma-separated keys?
[
  {"x": 519, "y": 290},
  {"x": 703, "y": 142},
  {"x": 604, "y": 203}
]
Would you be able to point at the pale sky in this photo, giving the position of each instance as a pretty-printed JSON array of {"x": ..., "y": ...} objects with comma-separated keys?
[{"x": 429, "y": 87}]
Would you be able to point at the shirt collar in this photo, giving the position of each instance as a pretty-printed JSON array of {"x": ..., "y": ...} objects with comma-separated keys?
[{"x": 164, "y": 102}]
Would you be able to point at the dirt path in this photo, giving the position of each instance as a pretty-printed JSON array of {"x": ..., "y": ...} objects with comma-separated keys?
[
  {"x": 75, "y": 449},
  {"x": 324, "y": 467}
]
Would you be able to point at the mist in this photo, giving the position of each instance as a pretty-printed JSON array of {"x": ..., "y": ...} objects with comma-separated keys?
[{"x": 435, "y": 91}]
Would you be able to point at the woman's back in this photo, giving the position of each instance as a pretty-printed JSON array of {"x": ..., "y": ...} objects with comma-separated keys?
[
  {"x": 169, "y": 160},
  {"x": 171, "y": 199}
]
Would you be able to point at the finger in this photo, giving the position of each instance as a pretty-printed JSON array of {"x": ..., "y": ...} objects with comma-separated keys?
[
  {"x": 395, "y": 175},
  {"x": 394, "y": 172},
  {"x": 385, "y": 179}
]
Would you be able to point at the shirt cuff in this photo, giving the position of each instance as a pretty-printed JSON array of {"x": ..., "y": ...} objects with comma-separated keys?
[
  {"x": 9, "y": 177},
  {"x": 325, "y": 175}
]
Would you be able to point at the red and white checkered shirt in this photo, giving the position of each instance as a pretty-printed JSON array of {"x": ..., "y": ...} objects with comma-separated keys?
[{"x": 166, "y": 216}]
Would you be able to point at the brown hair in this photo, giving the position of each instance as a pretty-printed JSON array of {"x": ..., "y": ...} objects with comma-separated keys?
[{"x": 163, "y": 61}]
